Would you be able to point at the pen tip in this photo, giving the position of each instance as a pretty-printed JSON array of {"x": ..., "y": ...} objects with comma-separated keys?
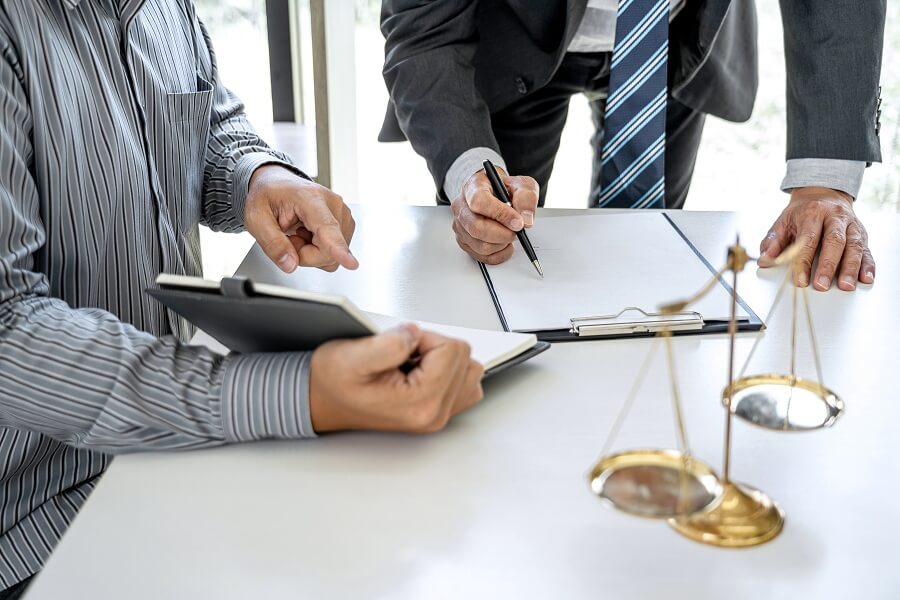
[{"x": 537, "y": 266}]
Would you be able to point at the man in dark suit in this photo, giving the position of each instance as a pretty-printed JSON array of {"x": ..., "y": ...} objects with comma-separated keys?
[{"x": 475, "y": 80}]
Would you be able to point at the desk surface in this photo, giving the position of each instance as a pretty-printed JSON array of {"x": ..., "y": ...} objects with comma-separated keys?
[{"x": 497, "y": 506}]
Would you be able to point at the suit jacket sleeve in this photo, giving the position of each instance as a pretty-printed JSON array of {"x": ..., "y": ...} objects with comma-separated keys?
[
  {"x": 429, "y": 72},
  {"x": 833, "y": 54}
]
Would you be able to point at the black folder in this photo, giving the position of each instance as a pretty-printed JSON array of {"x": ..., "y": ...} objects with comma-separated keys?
[{"x": 251, "y": 317}]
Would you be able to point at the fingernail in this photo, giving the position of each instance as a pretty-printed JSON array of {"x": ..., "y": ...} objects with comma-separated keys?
[
  {"x": 849, "y": 282},
  {"x": 516, "y": 224},
  {"x": 823, "y": 282},
  {"x": 287, "y": 263},
  {"x": 802, "y": 279},
  {"x": 409, "y": 335},
  {"x": 870, "y": 275},
  {"x": 529, "y": 218}
]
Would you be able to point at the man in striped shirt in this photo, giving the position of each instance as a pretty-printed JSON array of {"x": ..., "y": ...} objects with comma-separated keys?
[{"x": 116, "y": 140}]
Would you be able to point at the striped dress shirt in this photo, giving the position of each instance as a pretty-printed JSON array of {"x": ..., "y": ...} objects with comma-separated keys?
[{"x": 116, "y": 140}]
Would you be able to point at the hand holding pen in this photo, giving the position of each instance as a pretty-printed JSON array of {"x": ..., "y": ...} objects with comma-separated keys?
[
  {"x": 486, "y": 227},
  {"x": 503, "y": 194}
]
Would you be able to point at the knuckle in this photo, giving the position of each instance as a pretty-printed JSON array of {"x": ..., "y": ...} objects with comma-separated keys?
[
  {"x": 501, "y": 213},
  {"x": 395, "y": 345},
  {"x": 478, "y": 394},
  {"x": 868, "y": 259},
  {"x": 270, "y": 245},
  {"x": 479, "y": 203},
  {"x": 456, "y": 206},
  {"x": 477, "y": 230},
  {"x": 484, "y": 248},
  {"x": 836, "y": 237},
  {"x": 858, "y": 244},
  {"x": 462, "y": 347},
  {"x": 827, "y": 265},
  {"x": 495, "y": 259},
  {"x": 477, "y": 370},
  {"x": 841, "y": 209},
  {"x": 810, "y": 240},
  {"x": 427, "y": 417},
  {"x": 851, "y": 264}
]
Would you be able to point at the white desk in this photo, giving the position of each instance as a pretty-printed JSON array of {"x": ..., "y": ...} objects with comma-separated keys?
[{"x": 497, "y": 506}]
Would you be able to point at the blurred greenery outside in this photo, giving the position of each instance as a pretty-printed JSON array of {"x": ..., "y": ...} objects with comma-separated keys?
[{"x": 740, "y": 166}]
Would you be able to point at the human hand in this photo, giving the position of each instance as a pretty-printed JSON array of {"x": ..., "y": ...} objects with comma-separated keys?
[
  {"x": 358, "y": 384},
  {"x": 485, "y": 226},
  {"x": 820, "y": 214},
  {"x": 298, "y": 222}
]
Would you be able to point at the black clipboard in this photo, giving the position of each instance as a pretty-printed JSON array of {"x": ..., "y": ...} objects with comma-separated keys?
[{"x": 633, "y": 321}]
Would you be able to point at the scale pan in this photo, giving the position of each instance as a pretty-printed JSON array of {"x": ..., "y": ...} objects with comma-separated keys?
[
  {"x": 657, "y": 484},
  {"x": 784, "y": 403}
]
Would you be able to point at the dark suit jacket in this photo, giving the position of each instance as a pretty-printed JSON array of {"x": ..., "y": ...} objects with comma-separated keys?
[{"x": 449, "y": 64}]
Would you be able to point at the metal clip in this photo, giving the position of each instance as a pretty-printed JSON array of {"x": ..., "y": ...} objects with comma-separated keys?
[{"x": 641, "y": 322}]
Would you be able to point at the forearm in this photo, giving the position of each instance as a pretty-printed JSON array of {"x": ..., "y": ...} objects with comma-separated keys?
[
  {"x": 234, "y": 152},
  {"x": 429, "y": 73},
  {"x": 833, "y": 56},
  {"x": 87, "y": 379}
]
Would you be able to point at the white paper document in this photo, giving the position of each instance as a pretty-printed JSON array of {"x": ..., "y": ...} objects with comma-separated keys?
[
  {"x": 599, "y": 265},
  {"x": 490, "y": 348}
]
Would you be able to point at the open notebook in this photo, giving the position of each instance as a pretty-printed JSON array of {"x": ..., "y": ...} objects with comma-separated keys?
[
  {"x": 607, "y": 275},
  {"x": 239, "y": 315}
]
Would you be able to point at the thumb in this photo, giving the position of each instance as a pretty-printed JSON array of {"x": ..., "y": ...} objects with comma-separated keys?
[
  {"x": 274, "y": 242},
  {"x": 525, "y": 193},
  {"x": 385, "y": 351}
]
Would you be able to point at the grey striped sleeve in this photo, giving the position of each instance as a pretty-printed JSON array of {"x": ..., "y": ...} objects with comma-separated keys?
[
  {"x": 91, "y": 381},
  {"x": 234, "y": 152},
  {"x": 83, "y": 377},
  {"x": 258, "y": 395}
]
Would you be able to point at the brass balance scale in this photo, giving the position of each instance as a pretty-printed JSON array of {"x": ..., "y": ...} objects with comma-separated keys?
[{"x": 676, "y": 486}]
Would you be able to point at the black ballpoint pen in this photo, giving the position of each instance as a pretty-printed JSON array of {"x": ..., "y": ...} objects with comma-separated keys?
[{"x": 501, "y": 192}]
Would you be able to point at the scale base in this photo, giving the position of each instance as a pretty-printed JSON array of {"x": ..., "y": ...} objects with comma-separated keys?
[{"x": 744, "y": 517}]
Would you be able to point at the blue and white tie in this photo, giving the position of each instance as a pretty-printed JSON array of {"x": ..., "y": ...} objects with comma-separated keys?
[{"x": 633, "y": 149}]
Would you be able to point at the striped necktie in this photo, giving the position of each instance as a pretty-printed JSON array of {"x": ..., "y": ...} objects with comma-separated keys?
[{"x": 634, "y": 140}]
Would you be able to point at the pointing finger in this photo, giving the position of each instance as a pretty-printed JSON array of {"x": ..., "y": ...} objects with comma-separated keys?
[{"x": 328, "y": 242}]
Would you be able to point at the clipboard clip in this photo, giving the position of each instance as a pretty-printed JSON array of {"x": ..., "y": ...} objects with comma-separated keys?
[{"x": 633, "y": 320}]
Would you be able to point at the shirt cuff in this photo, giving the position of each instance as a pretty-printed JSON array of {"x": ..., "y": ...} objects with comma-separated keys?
[
  {"x": 266, "y": 396},
  {"x": 243, "y": 171},
  {"x": 843, "y": 175},
  {"x": 469, "y": 162}
]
